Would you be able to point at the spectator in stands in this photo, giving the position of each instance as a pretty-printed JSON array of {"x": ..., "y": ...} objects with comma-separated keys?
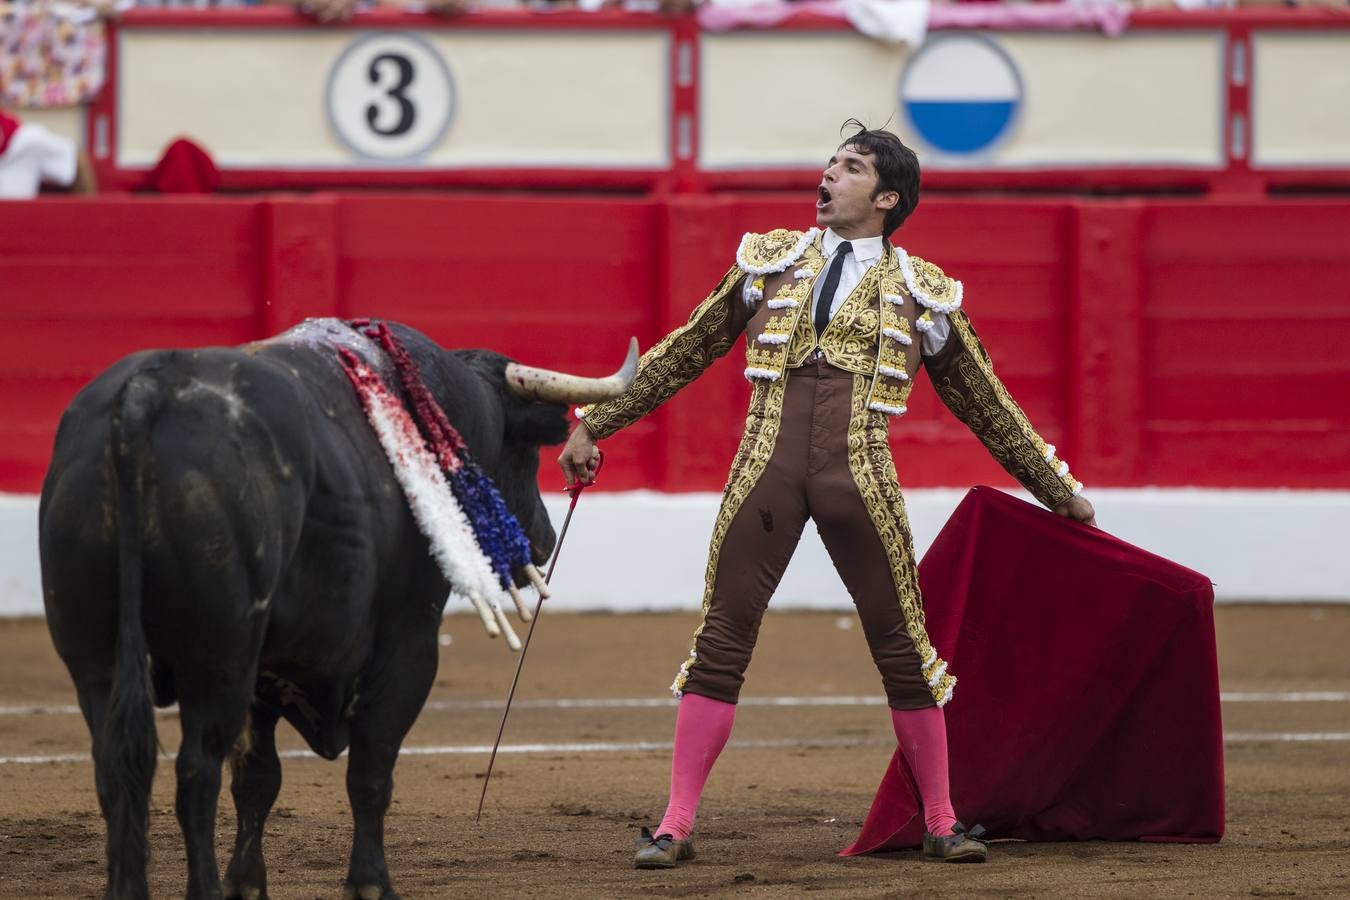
[
  {"x": 341, "y": 10},
  {"x": 31, "y": 157},
  {"x": 322, "y": 10},
  {"x": 194, "y": 4}
]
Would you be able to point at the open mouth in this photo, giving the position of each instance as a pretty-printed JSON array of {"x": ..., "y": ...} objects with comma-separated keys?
[{"x": 822, "y": 197}]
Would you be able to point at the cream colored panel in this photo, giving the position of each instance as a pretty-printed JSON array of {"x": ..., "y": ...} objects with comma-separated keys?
[
  {"x": 252, "y": 98},
  {"x": 1146, "y": 98},
  {"x": 1301, "y": 98},
  {"x": 566, "y": 98},
  {"x": 778, "y": 99},
  {"x": 67, "y": 121},
  {"x": 258, "y": 98}
]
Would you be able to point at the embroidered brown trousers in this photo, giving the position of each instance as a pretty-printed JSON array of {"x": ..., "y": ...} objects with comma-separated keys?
[{"x": 807, "y": 477}]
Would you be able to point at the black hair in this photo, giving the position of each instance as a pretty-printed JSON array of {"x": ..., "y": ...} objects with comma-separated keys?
[{"x": 897, "y": 168}]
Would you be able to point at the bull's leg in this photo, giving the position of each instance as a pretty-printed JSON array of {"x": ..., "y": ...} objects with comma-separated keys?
[
  {"x": 391, "y": 698},
  {"x": 83, "y": 623},
  {"x": 93, "y": 696},
  {"x": 370, "y": 784},
  {"x": 255, "y": 783},
  {"x": 212, "y": 720},
  {"x": 93, "y": 700},
  {"x": 123, "y": 799}
]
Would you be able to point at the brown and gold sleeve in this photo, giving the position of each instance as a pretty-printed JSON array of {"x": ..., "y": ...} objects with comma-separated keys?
[
  {"x": 964, "y": 378},
  {"x": 677, "y": 359}
]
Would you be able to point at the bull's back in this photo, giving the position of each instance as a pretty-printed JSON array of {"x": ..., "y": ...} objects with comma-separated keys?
[{"x": 220, "y": 456}]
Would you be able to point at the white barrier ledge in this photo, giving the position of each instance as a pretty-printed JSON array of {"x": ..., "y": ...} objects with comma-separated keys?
[{"x": 644, "y": 550}]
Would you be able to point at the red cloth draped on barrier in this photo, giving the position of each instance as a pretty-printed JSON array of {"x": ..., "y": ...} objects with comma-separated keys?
[
  {"x": 184, "y": 168},
  {"x": 1087, "y": 706}
]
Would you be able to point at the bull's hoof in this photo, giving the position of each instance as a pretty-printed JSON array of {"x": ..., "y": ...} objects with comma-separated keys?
[
  {"x": 235, "y": 891},
  {"x": 367, "y": 892}
]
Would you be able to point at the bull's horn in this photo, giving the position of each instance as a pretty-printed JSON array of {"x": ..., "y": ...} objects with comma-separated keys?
[{"x": 559, "y": 387}]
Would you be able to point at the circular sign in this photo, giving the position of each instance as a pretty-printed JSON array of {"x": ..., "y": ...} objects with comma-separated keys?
[
  {"x": 390, "y": 97},
  {"x": 961, "y": 94}
]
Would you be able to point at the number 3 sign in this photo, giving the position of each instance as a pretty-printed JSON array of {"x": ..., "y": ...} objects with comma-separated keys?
[{"x": 390, "y": 97}]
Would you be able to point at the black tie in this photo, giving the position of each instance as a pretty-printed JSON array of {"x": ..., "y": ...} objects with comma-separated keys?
[{"x": 831, "y": 285}]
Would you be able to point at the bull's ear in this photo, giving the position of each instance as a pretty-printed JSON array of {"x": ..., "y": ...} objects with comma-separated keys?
[
  {"x": 536, "y": 423},
  {"x": 489, "y": 366}
]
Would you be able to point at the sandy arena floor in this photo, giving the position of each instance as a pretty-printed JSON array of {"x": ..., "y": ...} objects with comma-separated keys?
[{"x": 560, "y": 816}]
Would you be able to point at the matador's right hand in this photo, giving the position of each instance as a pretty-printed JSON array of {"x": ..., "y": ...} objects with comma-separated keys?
[{"x": 580, "y": 457}]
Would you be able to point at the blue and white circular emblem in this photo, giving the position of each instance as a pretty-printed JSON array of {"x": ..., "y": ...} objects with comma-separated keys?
[{"x": 961, "y": 93}]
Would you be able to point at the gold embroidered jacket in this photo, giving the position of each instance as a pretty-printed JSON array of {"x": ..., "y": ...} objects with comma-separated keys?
[{"x": 873, "y": 334}]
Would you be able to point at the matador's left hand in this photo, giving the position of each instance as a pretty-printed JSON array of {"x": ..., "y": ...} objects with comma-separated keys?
[{"x": 1079, "y": 509}]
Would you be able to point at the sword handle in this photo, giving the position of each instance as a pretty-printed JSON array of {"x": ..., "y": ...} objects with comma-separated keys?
[{"x": 576, "y": 489}]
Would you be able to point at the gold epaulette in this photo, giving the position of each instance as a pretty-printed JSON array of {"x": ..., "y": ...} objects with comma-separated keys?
[
  {"x": 932, "y": 288},
  {"x": 765, "y": 254}
]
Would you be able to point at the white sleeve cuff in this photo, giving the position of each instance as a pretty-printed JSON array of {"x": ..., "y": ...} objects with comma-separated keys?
[{"x": 935, "y": 338}]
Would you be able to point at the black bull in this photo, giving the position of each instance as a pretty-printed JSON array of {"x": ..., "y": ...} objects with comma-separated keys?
[{"x": 221, "y": 528}]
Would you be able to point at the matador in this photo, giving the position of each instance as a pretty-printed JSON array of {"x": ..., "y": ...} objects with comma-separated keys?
[{"x": 837, "y": 321}]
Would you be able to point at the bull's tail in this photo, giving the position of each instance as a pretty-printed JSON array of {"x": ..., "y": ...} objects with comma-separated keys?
[{"x": 125, "y": 752}]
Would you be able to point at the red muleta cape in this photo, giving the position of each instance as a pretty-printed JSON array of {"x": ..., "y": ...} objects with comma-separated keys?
[{"x": 1087, "y": 702}]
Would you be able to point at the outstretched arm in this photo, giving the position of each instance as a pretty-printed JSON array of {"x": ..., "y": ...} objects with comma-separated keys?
[
  {"x": 964, "y": 378},
  {"x": 678, "y": 359}
]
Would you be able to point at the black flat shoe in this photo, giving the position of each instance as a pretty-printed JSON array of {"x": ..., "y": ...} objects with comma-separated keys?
[
  {"x": 960, "y": 846},
  {"x": 661, "y": 851}
]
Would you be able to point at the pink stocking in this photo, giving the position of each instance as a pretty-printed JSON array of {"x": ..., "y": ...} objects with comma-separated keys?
[
  {"x": 702, "y": 727},
  {"x": 923, "y": 740}
]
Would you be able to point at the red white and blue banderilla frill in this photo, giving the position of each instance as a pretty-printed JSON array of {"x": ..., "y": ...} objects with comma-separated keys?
[{"x": 474, "y": 537}]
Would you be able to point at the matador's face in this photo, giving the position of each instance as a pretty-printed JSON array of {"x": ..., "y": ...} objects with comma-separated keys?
[{"x": 844, "y": 198}]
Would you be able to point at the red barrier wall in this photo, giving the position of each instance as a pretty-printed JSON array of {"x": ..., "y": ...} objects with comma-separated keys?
[{"x": 1167, "y": 342}]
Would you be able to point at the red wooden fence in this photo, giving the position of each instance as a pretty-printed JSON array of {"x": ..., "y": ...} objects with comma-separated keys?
[{"x": 1157, "y": 342}]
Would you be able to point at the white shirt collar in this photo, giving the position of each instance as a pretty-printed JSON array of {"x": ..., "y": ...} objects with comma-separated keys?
[{"x": 865, "y": 250}]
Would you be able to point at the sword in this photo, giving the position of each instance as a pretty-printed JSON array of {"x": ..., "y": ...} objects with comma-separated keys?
[{"x": 575, "y": 490}]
